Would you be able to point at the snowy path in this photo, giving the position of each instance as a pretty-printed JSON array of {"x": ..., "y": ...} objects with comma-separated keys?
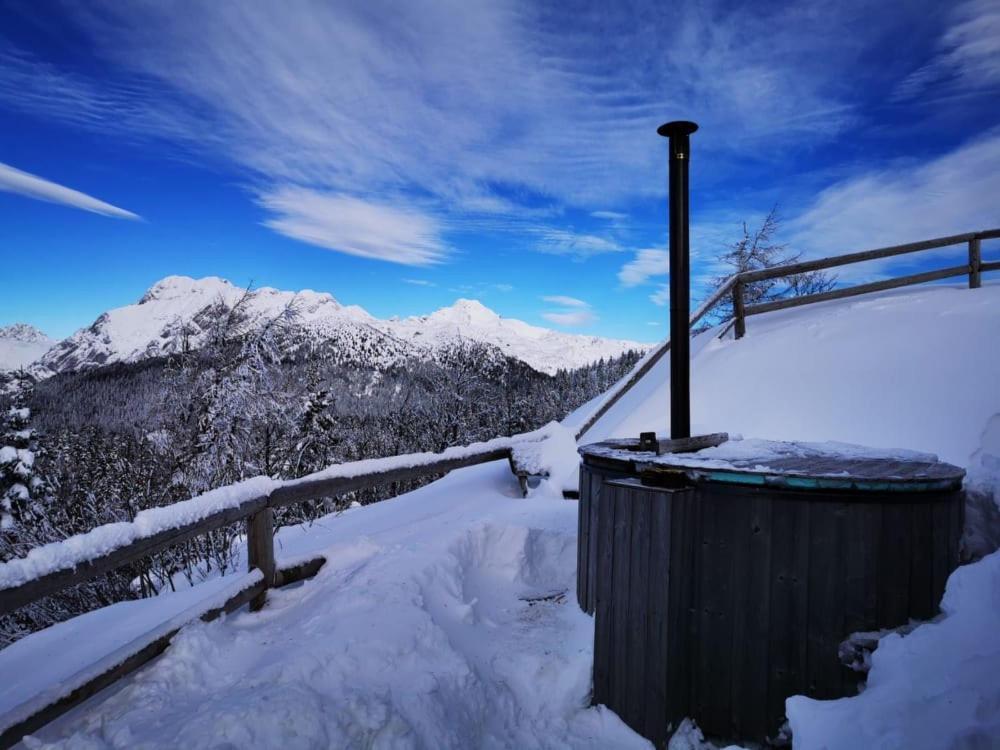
[{"x": 415, "y": 634}]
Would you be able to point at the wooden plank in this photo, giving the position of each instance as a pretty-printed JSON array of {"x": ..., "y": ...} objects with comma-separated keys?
[
  {"x": 300, "y": 571},
  {"x": 583, "y": 539},
  {"x": 894, "y": 565},
  {"x": 314, "y": 487},
  {"x": 741, "y": 607},
  {"x": 681, "y": 613},
  {"x": 993, "y": 265},
  {"x": 843, "y": 260},
  {"x": 754, "y": 651},
  {"x": 861, "y": 545},
  {"x": 602, "y": 617},
  {"x": 260, "y": 551},
  {"x": 826, "y": 592},
  {"x": 739, "y": 311},
  {"x": 789, "y": 604},
  {"x": 691, "y": 444},
  {"x": 715, "y": 646},
  {"x": 637, "y": 701},
  {"x": 621, "y": 557},
  {"x": 975, "y": 263},
  {"x": 853, "y": 291},
  {"x": 660, "y": 583},
  {"x": 989, "y": 234},
  {"x": 18, "y": 596},
  {"x": 940, "y": 570},
  {"x": 593, "y": 570},
  {"x": 922, "y": 603}
]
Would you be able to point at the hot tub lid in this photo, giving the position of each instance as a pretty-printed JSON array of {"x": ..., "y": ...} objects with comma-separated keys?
[{"x": 795, "y": 465}]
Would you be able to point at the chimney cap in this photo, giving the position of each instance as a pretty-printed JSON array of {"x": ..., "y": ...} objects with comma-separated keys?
[{"x": 677, "y": 127}]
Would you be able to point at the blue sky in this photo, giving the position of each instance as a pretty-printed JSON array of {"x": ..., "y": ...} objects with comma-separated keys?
[{"x": 401, "y": 156}]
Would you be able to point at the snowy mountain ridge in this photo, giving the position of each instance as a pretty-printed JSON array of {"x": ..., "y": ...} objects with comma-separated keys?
[
  {"x": 21, "y": 344},
  {"x": 175, "y": 313}
]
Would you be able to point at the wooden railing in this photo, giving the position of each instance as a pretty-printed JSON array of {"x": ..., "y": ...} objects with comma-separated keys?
[
  {"x": 57, "y": 566},
  {"x": 973, "y": 269},
  {"x": 735, "y": 285}
]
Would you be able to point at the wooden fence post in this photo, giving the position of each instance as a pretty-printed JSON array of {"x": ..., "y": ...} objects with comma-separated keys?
[
  {"x": 739, "y": 316},
  {"x": 975, "y": 262},
  {"x": 260, "y": 551}
]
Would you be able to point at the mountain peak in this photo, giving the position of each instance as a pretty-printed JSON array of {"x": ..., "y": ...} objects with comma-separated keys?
[
  {"x": 174, "y": 287},
  {"x": 466, "y": 312},
  {"x": 23, "y": 333}
]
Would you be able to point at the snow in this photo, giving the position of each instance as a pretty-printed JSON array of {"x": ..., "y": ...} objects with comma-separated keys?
[
  {"x": 446, "y": 617},
  {"x": 113, "y": 633},
  {"x": 68, "y": 553},
  {"x": 153, "y": 327}
]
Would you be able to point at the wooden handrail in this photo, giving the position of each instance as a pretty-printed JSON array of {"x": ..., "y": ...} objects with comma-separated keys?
[{"x": 793, "y": 269}]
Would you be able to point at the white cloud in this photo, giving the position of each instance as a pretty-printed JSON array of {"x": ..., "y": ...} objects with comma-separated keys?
[
  {"x": 15, "y": 181},
  {"x": 968, "y": 55},
  {"x": 903, "y": 202},
  {"x": 354, "y": 226},
  {"x": 646, "y": 264},
  {"x": 574, "y": 312},
  {"x": 384, "y": 99},
  {"x": 570, "y": 317},
  {"x": 661, "y": 297},
  {"x": 609, "y": 215},
  {"x": 419, "y": 282},
  {"x": 559, "y": 299},
  {"x": 504, "y": 287},
  {"x": 567, "y": 242}
]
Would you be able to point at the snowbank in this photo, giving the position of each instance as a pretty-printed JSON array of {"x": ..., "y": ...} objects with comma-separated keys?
[{"x": 938, "y": 687}]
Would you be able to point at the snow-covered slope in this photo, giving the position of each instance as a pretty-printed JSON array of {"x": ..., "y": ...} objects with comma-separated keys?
[
  {"x": 175, "y": 313},
  {"x": 445, "y": 618},
  {"x": 20, "y": 345},
  {"x": 914, "y": 368}
]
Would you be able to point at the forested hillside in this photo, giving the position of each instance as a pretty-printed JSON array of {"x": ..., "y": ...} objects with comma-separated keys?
[{"x": 108, "y": 442}]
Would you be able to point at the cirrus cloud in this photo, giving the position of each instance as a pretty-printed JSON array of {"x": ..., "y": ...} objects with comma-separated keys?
[
  {"x": 15, "y": 181},
  {"x": 354, "y": 226}
]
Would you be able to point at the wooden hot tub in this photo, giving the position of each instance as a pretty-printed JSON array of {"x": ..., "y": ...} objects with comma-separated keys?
[{"x": 722, "y": 586}]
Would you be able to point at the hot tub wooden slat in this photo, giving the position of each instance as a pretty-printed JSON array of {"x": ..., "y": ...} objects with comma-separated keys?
[
  {"x": 680, "y": 603},
  {"x": 595, "y": 488},
  {"x": 759, "y": 596},
  {"x": 660, "y": 536},
  {"x": 894, "y": 565},
  {"x": 619, "y": 598},
  {"x": 583, "y": 527},
  {"x": 602, "y": 585},
  {"x": 826, "y": 590},
  {"x": 922, "y": 603},
  {"x": 639, "y": 601}
]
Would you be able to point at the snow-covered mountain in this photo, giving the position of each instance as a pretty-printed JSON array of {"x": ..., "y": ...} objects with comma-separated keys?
[
  {"x": 20, "y": 345},
  {"x": 176, "y": 312}
]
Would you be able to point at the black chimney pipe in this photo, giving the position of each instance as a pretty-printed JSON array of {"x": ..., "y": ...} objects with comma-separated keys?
[{"x": 680, "y": 278}]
